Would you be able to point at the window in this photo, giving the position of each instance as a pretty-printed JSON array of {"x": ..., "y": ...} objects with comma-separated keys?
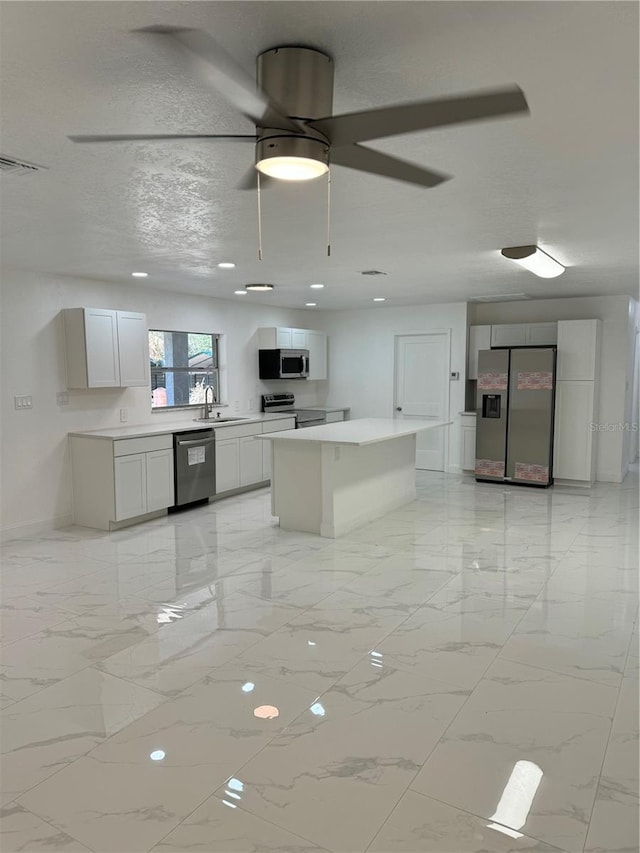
[{"x": 183, "y": 364}]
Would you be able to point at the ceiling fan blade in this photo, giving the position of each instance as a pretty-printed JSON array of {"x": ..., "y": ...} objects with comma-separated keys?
[
  {"x": 159, "y": 137},
  {"x": 377, "y": 163},
  {"x": 405, "y": 118},
  {"x": 214, "y": 65}
]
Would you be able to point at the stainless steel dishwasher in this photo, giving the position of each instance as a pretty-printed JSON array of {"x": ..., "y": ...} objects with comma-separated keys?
[{"x": 194, "y": 465}]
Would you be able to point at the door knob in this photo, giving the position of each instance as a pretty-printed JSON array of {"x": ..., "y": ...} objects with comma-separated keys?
[{"x": 398, "y": 408}]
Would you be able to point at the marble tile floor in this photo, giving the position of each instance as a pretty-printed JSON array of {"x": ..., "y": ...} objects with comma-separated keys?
[{"x": 460, "y": 676}]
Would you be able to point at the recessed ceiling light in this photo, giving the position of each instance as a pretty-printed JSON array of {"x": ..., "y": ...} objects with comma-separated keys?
[
  {"x": 226, "y": 265},
  {"x": 240, "y": 292},
  {"x": 259, "y": 287},
  {"x": 139, "y": 274},
  {"x": 311, "y": 304},
  {"x": 317, "y": 286},
  {"x": 378, "y": 298}
]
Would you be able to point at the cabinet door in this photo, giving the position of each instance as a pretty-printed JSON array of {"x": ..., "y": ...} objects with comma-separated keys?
[
  {"x": 479, "y": 338},
  {"x": 509, "y": 335},
  {"x": 283, "y": 339},
  {"x": 317, "y": 346},
  {"x": 577, "y": 349},
  {"x": 573, "y": 444},
  {"x": 101, "y": 339},
  {"x": 250, "y": 460},
  {"x": 160, "y": 487},
  {"x": 468, "y": 461},
  {"x": 227, "y": 465},
  {"x": 266, "y": 459},
  {"x": 133, "y": 348},
  {"x": 542, "y": 334},
  {"x": 130, "y": 485},
  {"x": 299, "y": 338}
]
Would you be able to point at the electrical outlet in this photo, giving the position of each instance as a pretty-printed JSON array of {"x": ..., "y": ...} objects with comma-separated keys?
[
  {"x": 250, "y": 404},
  {"x": 337, "y": 454},
  {"x": 236, "y": 406},
  {"x": 23, "y": 402},
  {"x": 62, "y": 398},
  {"x": 124, "y": 416}
]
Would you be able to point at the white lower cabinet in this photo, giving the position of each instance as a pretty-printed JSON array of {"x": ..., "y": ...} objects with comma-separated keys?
[
  {"x": 227, "y": 464},
  {"x": 242, "y": 458},
  {"x": 250, "y": 460},
  {"x": 159, "y": 478},
  {"x": 333, "y": 417},
  {"x": 130, "y": 486},
  {"x": 468, "y": 442},
  {"x": 115, "y": 480},
  {"x": 574, "y": 445}
]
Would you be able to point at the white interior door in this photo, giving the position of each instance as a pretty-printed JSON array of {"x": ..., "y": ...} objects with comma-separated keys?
[{"x": 422, "y": 391}]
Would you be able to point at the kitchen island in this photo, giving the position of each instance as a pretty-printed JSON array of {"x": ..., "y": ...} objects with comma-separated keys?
[{"x": 330, "y": 479}]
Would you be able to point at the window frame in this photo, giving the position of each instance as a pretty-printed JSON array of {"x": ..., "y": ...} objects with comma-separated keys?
[{"x": 213, "y": 371}]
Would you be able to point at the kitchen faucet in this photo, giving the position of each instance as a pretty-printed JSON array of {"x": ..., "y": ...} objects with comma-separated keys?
[{"x": 208, "y": 406}]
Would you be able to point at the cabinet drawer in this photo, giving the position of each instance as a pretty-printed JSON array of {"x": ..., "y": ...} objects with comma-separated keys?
[
  {"x": 333, "y": 417},
  {"x": 237, "y": 431},
  {"x": 278, "y": 426},
  {"x": 126, "y": 446}
]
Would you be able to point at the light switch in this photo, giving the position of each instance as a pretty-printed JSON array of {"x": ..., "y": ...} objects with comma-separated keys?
[
  {"x": 62, "y": 398},
  {"x": 23, "y": 402}
]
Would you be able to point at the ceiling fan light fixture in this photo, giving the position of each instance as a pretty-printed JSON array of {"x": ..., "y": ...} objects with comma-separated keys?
[
  {"x": 535, "y": 260},
  {"x": 292, "y": 158},
  {"x": 259, "y": 288}
]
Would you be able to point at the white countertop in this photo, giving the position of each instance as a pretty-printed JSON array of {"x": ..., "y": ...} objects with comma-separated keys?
[
  {"x": 168, "y": 427},
  {"x": 359, "y": 431}
]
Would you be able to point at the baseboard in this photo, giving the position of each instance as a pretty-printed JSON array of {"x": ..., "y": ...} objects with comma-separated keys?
[{"x": 34, "y": 528}]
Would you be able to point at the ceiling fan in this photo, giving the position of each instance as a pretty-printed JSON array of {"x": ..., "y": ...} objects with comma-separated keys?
[{"x": 297, "y": 137}]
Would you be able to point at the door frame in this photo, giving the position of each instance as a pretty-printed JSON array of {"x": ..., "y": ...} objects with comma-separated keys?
[{"x": 423, "y": 332}]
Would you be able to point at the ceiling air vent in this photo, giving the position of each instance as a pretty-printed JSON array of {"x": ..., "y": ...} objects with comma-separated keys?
[
  {"x": 13, "y": 166},
  {"x": 499, "y": 297},
  {"x": 373, "y": 272}
]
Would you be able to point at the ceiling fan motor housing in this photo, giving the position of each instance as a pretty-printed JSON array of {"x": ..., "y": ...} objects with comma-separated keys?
[{"x": 299, "y": 80}]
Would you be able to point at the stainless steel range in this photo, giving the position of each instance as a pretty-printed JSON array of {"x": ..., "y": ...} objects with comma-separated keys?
[{"x": 285, "y": 402}]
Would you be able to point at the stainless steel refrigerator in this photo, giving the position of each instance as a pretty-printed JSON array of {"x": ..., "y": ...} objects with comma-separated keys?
[{"x": 515, "y": 396}]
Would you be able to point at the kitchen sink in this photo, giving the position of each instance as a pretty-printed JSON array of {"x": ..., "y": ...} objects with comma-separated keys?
[{"x": 219, "y": 420}]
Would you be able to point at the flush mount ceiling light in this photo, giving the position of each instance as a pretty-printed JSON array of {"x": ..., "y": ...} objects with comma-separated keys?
[
  {"x": 535, "y": 260},
  {"x": 226, "y": 265},
  {"x": 260, "y": 288},
  {"x": 140, "y": 274},
  {"x": 292, "y": 158}
]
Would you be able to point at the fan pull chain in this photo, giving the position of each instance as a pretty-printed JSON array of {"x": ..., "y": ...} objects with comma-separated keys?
[
  {"x": 329, "y": 213},
  {"x": 259, "y": 220}
]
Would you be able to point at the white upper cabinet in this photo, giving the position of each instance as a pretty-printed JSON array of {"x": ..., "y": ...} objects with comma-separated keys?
[
  {"x": 524, "y": 334},
  {"x": 282, "y": 339},
  {"x": 509, "y": 335},
  {"x": 299, "y": 338},
  {"x": 133, "y": 348},
  {"x": 578, "y": 349},
  {"x": 105, "y": 349},
  {"x": 317, "y": 346},
  {"x": 479, "y": 338},
  {"x": 542, "y": 334}
]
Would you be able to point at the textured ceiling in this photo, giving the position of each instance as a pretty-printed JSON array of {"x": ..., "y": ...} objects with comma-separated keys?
[{"x": 566, "y": 177}]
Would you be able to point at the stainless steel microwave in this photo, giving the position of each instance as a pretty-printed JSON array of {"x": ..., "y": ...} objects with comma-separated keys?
[{"x": 284, "y": 363}]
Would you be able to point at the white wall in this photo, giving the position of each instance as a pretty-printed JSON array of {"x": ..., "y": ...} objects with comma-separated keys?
[
  {"x": 35, "y": 466},
  {"x": 361, "y": 358},
  {"x": 616, "y": 389}
]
